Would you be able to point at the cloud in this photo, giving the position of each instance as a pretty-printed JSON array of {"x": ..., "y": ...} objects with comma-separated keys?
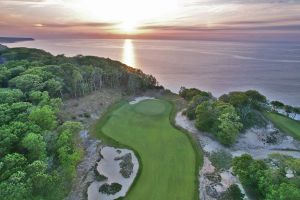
[
  {"x": 205, "y": 2},
  {"x": 261, "y": 22},
  {"x": 25, "y": 1},
  {"x": 224, "y": 28},
  {"x": 78, "y": 24}
]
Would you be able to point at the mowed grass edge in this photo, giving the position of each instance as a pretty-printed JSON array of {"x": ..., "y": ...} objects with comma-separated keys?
[
  {"x": 97, "y": 131},
  {"x": 193, "y": 140}
]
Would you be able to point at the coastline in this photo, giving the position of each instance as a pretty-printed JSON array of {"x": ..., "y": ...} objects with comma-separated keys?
[{"x": 4, "y": 40}]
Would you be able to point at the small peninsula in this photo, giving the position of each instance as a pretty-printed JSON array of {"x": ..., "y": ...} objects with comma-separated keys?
[{"x": 14, "y": 39}]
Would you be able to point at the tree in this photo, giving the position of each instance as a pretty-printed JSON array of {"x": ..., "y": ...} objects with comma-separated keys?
[
  {"x": 277, "y": 105},
  {"x": 288, "y": 110},
  {"x": 229, "y": 126},
  {"x": 40, "y": 72},
  {"x": 72, "y": 127},
  {"x": 233, "y": 193},
  {"x": 38, "y": 178},
  {"x": 188, "y": 94},
  {"x": 205, "y": 116},
  {"x": 43, "y": 117},
  {"x": 39, "y": 98},
  {"x": 76, "y": 79},
  {"x": 16, "y": 71},
  {"x": 191, "y": 110},
  {"x": 241, "y": 165},
  {"x": 54, "y": 87},
  {"x": 68, "y": 153},
  {"x": 10, "y": 95},
  {"x": 237, "y": 99},
  {"x": 4, "y": 75},
  {"x": 27, "y": 82},
  {"x": 288, "y": 192},
  {"x": 12, "y": 163},
  {"x": 10, "y": 136},
  {"x": 35, "y": 145},
  {"x": 15, "y": 187},
  {"x": 255, "y": 96},
  {"x": 257, "y": 100},
  {"x": 68, "y": 160}
]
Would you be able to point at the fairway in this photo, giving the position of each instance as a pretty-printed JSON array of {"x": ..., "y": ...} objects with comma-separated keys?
[
  {"x": 285, "y": 124},
  {"x": 167, "y": 157}
]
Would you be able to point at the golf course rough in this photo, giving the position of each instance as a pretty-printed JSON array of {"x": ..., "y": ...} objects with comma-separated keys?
[{"x": 165, "y": 153}]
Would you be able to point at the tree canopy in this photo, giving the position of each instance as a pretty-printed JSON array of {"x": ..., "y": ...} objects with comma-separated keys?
[{"x": 39, "y": 153}]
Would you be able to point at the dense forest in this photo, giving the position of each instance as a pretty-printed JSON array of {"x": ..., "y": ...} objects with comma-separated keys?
[{"x": 38, "y": 151}]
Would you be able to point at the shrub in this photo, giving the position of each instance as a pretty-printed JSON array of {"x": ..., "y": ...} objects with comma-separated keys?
[
  {"x": 233, "y": 193},
  {"x": 221, "y": 159},
  {"x": 110, "y": 189}
]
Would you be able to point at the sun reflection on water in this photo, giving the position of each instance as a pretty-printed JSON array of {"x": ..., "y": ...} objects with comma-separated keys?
[{"x": 128, "y": 53}]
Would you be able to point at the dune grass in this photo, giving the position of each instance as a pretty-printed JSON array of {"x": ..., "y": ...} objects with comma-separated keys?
[
  {"x": 168, "y": 160},
  {"x": 285, "y": 124}
]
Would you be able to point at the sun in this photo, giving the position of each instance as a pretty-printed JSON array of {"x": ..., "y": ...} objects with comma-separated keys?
[
  {"x": 123, "y": 16},
  {"x": 128, "y": 27}
]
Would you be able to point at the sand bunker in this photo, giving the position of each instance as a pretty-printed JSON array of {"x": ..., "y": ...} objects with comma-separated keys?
[
  {"x": 120, "y": 167},
  {"x": 139, "y": 99}
]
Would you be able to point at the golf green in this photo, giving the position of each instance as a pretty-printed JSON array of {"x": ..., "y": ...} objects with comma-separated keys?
[{"x": 167, "y": 157}]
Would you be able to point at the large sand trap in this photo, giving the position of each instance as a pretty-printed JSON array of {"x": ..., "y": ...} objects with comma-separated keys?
[{"x": 109, "y": 166}]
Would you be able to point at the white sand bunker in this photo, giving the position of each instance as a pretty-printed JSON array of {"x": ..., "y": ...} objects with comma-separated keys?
[
  {"x": 139, "y": 99},
  {"x": 118, "y": 168}
]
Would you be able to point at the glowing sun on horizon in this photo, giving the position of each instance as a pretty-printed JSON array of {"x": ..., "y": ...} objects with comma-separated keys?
[
  {"x": 125, "y": 16},
  {"x": 128, "y": 27}
]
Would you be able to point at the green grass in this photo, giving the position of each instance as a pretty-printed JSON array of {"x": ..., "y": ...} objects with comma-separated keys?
[
  {"x": 285, "y": 124},
  {"x": 169, "y": 161}
]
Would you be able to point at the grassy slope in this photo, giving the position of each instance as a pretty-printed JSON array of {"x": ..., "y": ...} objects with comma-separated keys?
[
  {"x": 167, "y": 157},
  {"x": 285, "y": 124}
]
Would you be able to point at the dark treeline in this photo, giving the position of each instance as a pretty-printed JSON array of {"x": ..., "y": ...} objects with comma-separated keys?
[
  {"x": 38, "y": 151},
  {"x": 68, "y": 76}
]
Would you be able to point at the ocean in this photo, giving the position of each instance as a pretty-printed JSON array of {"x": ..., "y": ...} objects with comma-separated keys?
[{"x": 215, "y": 66}]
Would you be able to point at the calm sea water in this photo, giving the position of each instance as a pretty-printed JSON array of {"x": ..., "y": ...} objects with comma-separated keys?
[{"x": 219, "y": 67}]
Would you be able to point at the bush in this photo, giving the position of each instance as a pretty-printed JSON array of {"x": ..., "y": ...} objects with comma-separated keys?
[
  {"x": 87, "y": 115},
  {"x": 221, "y": 159},
  {"x": 188, "y": 94},
  {"x": 110, "y": 189},
  {"x": 126, "y": 165},
  {"x": 233, "y": 193}
]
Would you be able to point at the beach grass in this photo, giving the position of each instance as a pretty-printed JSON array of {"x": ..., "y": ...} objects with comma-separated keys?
[{"x": 168, "y": 160}]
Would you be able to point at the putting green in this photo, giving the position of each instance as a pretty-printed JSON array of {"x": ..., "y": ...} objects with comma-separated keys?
[{"x": 167, "y": 157}]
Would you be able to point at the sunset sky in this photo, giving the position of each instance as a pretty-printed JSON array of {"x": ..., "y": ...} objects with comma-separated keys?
[{"x": 164, "y": 19}]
